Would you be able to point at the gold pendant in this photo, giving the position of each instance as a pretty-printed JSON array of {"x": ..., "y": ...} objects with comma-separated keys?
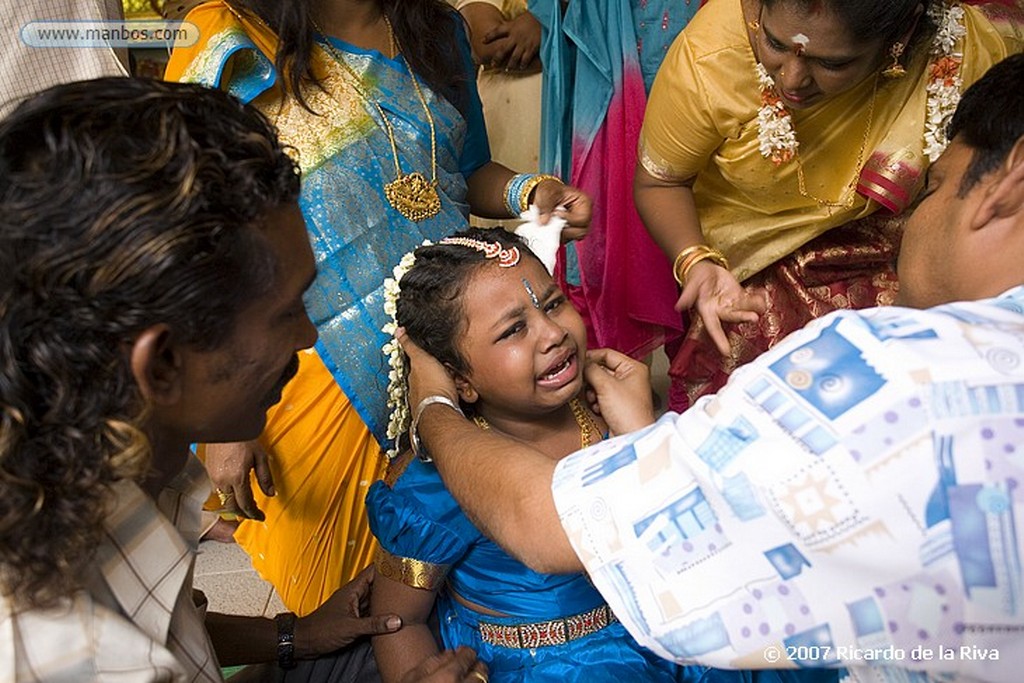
[{"x": 413, "y": 196}]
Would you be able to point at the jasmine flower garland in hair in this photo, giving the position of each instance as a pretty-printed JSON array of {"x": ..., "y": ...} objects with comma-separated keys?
[
  {"x": 774, "y": 124},
  {"x": 398, "y": 401},
  {"x": 944, "y": 84}
]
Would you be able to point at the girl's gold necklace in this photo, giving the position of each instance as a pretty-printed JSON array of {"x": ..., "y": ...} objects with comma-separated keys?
[
  {"x": 583, "y": 420},
  {"x": 410, "y": 194}
]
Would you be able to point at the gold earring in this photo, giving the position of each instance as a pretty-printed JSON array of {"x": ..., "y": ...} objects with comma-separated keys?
[{"x": 895, "y": 70}]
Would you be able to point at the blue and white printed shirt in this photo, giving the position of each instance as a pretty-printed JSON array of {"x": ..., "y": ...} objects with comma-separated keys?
[{"x": 851, "y": 498}]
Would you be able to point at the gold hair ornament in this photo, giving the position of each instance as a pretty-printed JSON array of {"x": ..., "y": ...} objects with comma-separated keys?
[{"x": 506, "y": 257}]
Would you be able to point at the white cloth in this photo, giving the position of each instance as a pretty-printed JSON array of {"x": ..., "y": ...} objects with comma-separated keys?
[
  {"x": 543, "y": 240},
  {"x": 136, "y": 620},
  {"x": 851, "y": 498}
]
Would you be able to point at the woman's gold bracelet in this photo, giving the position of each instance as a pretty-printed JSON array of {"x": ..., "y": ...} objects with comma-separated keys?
[
  {"x": 518, "y": 188},
  {"x": 530, "y": 185},
  {"x": 693, "y": 255}
]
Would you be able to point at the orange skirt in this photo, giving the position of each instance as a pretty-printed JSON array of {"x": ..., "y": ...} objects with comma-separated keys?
[{"x": 316, "y": 535}]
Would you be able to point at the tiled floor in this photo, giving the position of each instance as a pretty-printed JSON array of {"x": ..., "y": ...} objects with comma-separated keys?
[{"x": 225, "y": 574}]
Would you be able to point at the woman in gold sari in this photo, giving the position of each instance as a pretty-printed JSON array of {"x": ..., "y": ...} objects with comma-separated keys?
[
  {"x": 377, "y": 100},
  {"x": 781, "y": 142}
]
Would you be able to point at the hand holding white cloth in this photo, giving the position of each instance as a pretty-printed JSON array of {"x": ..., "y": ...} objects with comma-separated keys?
[{"x": 543, "y": 240}]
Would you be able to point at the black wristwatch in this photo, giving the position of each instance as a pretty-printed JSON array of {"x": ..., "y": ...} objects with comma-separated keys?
[{"x": 285, "y": 640}]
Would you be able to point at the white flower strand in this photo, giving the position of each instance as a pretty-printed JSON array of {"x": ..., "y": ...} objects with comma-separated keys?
[
  {"x": 951, "y": 28},
  {"x": 775, "y": 134},
  {"x": 398, "y": 401},
  {"x": 945, "y": 84}
]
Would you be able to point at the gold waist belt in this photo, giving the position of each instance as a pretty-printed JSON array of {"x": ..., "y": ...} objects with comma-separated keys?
[{"x": 546, "y": 633}]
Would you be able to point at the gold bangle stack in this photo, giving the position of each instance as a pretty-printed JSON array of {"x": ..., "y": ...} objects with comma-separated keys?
[
  {"x": 530, "y": 185},
  {"x": 691, "y": 256}
]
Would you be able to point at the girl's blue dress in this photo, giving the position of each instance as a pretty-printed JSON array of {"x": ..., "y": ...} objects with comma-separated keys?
[{"x": 425, "y": 536}]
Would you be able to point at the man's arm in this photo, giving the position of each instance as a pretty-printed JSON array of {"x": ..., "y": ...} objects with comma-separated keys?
[
  {"x": 503, "y": 485},
  {"x": 332, "y": 626}
]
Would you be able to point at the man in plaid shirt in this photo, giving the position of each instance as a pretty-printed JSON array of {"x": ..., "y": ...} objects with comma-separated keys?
[{"x": 153, "y": 261}]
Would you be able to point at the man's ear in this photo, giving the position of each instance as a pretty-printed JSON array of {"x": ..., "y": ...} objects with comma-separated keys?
[
  {"x": 1004, "y": 198},
  {"x": 157, "y": 365}
]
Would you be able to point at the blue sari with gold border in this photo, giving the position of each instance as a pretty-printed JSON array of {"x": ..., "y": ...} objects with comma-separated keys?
[{"x": 346, "y": 159}]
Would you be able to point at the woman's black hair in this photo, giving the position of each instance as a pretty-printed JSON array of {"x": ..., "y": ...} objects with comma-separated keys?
[
  {"x": 870, "y": 20},
  {"x": 425, "y": 31}
]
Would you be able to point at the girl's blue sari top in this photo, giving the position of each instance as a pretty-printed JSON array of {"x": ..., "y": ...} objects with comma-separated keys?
[{"x": 418, "y": 523}]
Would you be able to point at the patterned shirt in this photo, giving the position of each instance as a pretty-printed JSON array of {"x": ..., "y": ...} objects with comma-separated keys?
[
  {"x": 849, "y": 498},
  {"x": 135, "y": 620}
]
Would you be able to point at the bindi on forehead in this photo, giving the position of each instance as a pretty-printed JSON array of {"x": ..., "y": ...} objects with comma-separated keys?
[
  {"x": 800, "y": 42},
  {"x": 827, "y": 42},
  {"x": 531, "y": 293}
]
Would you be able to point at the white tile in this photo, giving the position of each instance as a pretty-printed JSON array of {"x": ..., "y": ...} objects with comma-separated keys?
[
  {"x": 215, "y": 558},
  {"x": 238, "y": 592},
  {"x": 274, "y": 604}
]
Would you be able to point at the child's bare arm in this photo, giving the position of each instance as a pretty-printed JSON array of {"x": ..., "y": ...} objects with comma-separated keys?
[{"x": 398, "y": 653}]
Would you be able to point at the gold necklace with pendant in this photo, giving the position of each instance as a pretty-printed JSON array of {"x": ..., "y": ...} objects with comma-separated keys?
[
  {"x": 585, "y": 422},
  {"x": 411, "y": 194}
]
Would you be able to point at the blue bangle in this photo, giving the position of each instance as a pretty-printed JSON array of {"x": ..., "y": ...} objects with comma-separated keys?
[{"x": 513, "y": 192}]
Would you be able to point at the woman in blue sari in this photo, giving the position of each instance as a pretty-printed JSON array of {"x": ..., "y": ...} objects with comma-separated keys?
[{"x": 377, "y": 100}]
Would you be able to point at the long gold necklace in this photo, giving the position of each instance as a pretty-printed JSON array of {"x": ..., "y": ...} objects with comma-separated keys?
[
  {"x": 848, "y": 195},
  {"x": 583, "y": 419},
  {"x": 410, "y": 194}
]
